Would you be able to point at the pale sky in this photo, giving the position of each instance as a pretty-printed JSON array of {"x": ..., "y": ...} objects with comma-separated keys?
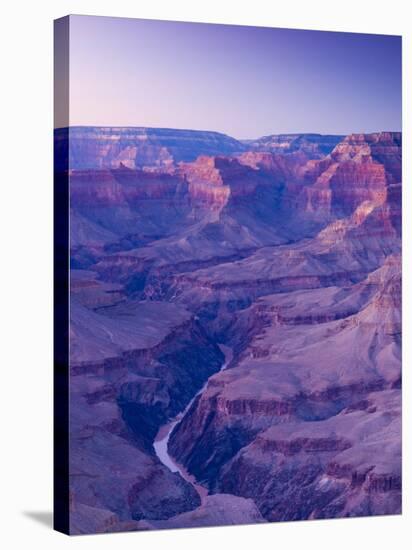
[{"x": 242, "y": 81}]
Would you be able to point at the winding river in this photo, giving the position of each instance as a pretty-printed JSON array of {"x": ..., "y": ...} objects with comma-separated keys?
[{"x": 162, "y": 438}]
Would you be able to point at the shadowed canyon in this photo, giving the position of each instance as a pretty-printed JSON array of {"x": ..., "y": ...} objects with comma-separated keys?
[{"x": 235, "y": 332}]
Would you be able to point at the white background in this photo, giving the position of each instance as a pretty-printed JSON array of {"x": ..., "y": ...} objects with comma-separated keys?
[{"x": 26, "y": 270}]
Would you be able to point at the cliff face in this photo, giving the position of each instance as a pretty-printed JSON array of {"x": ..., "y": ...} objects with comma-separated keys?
[
  {"x": 287, "y": 250},
  {"x": 338, "y": 467},
  {"x": 218, "y": 182},
  {"x": 93, "y": 148},
  {"x": 360, "y": 168},
  {"x": 382, "y": 147}
]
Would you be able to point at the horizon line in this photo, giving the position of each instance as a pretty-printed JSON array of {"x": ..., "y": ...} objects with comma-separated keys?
[{"x": 294, "y": 133}]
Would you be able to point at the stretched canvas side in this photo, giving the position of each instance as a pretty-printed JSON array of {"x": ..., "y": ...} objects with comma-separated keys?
[
  {"x": 227, "y": 275},
  {"x": 61, "y": 276}
]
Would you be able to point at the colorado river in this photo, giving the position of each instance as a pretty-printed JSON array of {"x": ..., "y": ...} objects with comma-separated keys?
[{"x": 162, "y": 438}]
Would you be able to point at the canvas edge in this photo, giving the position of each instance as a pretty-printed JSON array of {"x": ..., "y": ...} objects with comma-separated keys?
[{"x": 61, "y": 492}]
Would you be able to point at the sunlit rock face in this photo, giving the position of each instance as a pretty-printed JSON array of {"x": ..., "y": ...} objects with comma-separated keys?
[
  {"x": 359, "y": 168},
  {"x": 287, "y": 249}
]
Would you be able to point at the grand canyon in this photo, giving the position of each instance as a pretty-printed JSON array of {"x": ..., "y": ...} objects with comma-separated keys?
[{"x": 235, "y": 327}]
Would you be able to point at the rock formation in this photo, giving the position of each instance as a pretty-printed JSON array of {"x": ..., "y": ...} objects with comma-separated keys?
[
  {"x": 287, "y": 250},
  {"x": 150, "y": 148},
  {"x": 313, "y": 146}
]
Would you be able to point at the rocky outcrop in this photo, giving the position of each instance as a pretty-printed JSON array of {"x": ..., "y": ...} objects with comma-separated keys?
[
  {"x": 382, "y": 147},
  {"x": 339, "y": 467},
  {"x": 220, "y": 509},
  {"x": 207, "y": 188},
  {"x": 239, "y": 177},
  {"x": 360, "y": 168}
]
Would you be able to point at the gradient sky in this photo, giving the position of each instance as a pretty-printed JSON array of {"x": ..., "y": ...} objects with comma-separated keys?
[{"x": 243, "y": 81}]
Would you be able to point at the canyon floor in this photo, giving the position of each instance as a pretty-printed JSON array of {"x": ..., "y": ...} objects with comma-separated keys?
[{"x": 235, "y": 333}]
